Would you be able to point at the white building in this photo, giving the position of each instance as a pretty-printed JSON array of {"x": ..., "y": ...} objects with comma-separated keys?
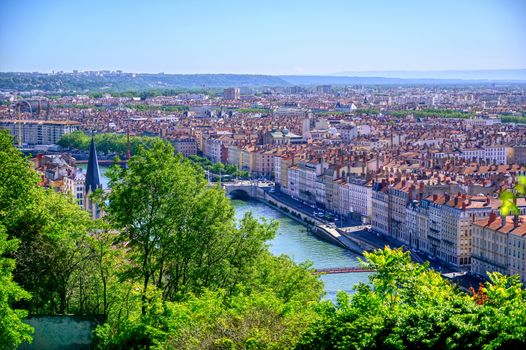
[
  {"x": 212, "y": 149},
  {"x": 493, "y": 154}
]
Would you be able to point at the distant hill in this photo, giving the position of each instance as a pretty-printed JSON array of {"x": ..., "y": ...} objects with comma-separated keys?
[
  {"x": 127, "y": 81},
  {"x": 480, "y": 74},
  {"x": 79, "y": 83},
  {"x": 353, "y": 80}
]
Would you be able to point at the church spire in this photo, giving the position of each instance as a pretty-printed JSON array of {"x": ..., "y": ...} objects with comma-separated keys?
[{"x": 92, "y": 173}]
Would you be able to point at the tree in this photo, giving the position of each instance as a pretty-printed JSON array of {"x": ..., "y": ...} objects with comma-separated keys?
[
  {"x": 182, "y": 234},
  {"x": 17, "y": 181},
  {"x": 509, "y": 197},
  {"x": 53, "y": 245},
  {"x": 408, "y": 306},
  {"x": 13, "y": 331},
  {"x": 186, "y": 251}
]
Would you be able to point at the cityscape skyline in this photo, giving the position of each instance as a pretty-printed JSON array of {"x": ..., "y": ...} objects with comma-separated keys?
[
  {"x": 273, "y": 38},
  {"x": 294, "y": 174}
]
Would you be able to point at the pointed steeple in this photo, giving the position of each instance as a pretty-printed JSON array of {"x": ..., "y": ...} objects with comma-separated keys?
[{"x": 92, "y": 173}]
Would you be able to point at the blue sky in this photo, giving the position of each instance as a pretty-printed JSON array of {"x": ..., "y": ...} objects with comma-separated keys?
[{"x": 264, "y": 37}]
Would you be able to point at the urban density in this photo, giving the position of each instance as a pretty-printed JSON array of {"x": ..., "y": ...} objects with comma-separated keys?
[
  {"x": 272, "y": 175},
  {"x": 423, "y": 166}
]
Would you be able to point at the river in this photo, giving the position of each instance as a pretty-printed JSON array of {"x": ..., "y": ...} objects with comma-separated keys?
[{"x": 294, "y": 240}]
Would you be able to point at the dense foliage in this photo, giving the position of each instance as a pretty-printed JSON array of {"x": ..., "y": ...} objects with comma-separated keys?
[
  {"x": 215, "y": 169},
  {"x": 509, "y": 197},
  {"x": 12, "y": 330},
  {"x": 513, "y": 119},
  {"x": 432, "y": 113},
  {"x": 370, "y": 111},
  {"x": 109, "y": 143},
  {"x": 17, "y": 182},
  {"x": 189, "y": 258},
  {"x": 408, "y": 306},
  {"x": 169, "y": 265}
]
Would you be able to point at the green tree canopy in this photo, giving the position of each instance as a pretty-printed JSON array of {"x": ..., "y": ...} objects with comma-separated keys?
[
  {"x": 409, "y": 306},
  {"x": 13, "y": 331}
]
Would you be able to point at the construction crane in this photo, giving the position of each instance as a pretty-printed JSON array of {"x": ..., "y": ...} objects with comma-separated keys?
[
  {"x": 19, "y": 104},
  {"x": 19, "y": 125}
]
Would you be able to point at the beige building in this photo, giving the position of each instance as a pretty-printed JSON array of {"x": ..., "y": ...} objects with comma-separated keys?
[
  {"x": 437, "y": 225},
  {"x": 499, "y": 245},
  {"x": 263, "y": 163},
  {"x": 186, "y": 146}
]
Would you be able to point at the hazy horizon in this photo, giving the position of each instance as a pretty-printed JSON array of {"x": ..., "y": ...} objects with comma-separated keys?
[{"x": 328, "y": 74}]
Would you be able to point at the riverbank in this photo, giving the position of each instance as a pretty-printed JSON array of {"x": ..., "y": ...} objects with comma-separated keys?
[
  {"x": 316, "y": 226},
  {"x": 356, "y": 239},
  {"x": 295, "y": 240}
]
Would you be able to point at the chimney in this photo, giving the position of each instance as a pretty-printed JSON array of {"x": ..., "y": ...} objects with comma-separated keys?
[
  {"x": 446, "y": 197},
  {"x": 492, "y": 217},
  {"x": 435, "y": 197},
  {"x": 421, "y": 187}
]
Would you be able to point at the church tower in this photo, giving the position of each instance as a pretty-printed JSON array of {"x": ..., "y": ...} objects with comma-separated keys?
[{"x": 92, "y": 181}]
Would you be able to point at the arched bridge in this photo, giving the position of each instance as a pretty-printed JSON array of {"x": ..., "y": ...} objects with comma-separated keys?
[{"x": 241, "y": 189}]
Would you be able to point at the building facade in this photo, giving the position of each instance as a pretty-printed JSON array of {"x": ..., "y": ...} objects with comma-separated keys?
[{"x": 39, "y": 132}]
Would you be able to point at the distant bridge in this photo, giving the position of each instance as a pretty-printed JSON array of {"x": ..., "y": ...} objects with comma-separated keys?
[
  {"x": 102, "y": 161},
  {"x": 334, "y": 270}
]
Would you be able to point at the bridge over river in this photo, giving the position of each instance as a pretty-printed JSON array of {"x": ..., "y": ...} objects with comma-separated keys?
[
  {"x": 262, "y": 190},
  {"x": 246, "y": 188},
  {"x": 333, "y": 270}
]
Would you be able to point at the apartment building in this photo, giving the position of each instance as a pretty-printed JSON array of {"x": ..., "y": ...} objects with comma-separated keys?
[
  {"x": 39, "y": 132},
  {"x": 231, "y": 94},
  {"x": 293, "y": 182},
  {"x": 263, "y": 163},
  {"x": 380, "y": 218},
  {"x": 247, "y": 159},
  {"x": 499, "y": 245},
  {"x": 74, "y": 186},
  {"x": 360, "y": 197},
  {"x": 519, "y": 154},
  {"x": 417, "y": 224},
  {"x": 186, "y": 146},
  {"x": 439, "y": 225},
  {"x": 234, "y": 156},
  {"x": 492, "y": 154},
  {"x": 213, "y": 149}
]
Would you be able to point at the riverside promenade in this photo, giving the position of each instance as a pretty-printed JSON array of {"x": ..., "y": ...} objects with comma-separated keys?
[{"x": 264, "y": 192}]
